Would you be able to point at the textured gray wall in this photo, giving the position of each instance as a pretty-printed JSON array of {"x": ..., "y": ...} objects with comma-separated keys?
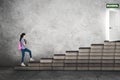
[{"x": 52, "y": 26}]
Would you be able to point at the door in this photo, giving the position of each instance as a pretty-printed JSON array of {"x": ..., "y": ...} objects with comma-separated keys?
[{"x": 114, "y": 25}]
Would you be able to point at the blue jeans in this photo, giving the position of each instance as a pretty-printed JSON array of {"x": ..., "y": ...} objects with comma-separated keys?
[{"x": 23, "y": 53}]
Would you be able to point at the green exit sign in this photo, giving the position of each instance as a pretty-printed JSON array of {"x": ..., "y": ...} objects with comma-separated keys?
[{"x": 112, "y": 5}]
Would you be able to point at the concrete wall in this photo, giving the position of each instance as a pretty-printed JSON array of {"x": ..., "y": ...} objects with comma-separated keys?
[{"x": 52, "y": 26}]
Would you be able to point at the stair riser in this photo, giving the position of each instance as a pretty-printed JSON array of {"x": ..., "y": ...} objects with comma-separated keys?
[
  {"x": 96, "y": 50},
  {"x": 117, "y": 57},
  {"x": 27, "y": 68},
  {"x": 84, "y": 50},
  {"x": 71, "y": 57},
  {"x": 95, "y": 61},
  {"x": 58, "y": 61},
  {"x": 117, "y": 43},
  {"x": 112, "y": 54},
  {"x": 109, "y": 43},
  {"x": 58, "y": 68},
  {"x": 70, "y": 61},
  {"x": 46, "y": 61},
  {"x": 108, "y": 68},
  {"x": 45, "y": 68},
  {"x": 117, "y": 61},
  {"x": 109, "y": 47},
  {"x": 97, "y": 47},
  {"x": 97, "y": 57},
  {"x": 82, "y": 61},
  {"x": 117, "y": 50},
  {"x": 82, "y": 65},
  {"x": 45, "y": 64},
  {"x": 33, "y": 65},
  {"x": 94, "y": 68},
  {"x": 58, "y": 65},
  {"x": 83, "y": 57},
  {"x": 108, "y": 50},
  {"x": 82, "y": 68},
  {"x": 71, "y": 54},
  {"x": 96, "y": 53},
  {"x": 117, "y": 47},
  {"x": 70, "y": 68},
  {"x": 80, "y": 54},
  {"x": 59, "y": 57},
  {"x": 117, "y": 53}
]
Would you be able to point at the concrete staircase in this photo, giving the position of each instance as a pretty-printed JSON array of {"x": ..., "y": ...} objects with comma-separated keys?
[{"x": 97, "y": 57}]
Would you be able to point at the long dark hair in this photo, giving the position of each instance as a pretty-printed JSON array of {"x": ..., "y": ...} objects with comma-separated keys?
[{"x": 21, "y": 36}]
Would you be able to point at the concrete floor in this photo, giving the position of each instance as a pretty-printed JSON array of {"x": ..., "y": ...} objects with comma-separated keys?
[{"x": 11, "y": 74}]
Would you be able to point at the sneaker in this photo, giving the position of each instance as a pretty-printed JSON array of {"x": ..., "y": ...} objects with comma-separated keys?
[
  {"x": 22, "y": 64},
  {"x": 31, "y": 59}
]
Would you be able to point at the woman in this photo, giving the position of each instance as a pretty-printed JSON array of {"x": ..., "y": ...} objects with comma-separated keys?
[{"x": 24, "y": 49}]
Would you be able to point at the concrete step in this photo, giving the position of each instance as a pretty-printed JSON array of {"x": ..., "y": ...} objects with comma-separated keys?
[
  {"x": 72, "y": 52},
  {"x": 95, "y": 61},
  {"x": 71, "y": 57},
  {"x": 26, "y": 68},
  {"x": 97, "y": 46},
  {"x": 95, "y": 64},
  {"x": 117, "y": 61},
  {"x": 95, "y": 56},
  {"x": 57, "y": 64},
  {"x": 117, "y": 54},
  {"x": 107, "y": 64},
  {"x": 109, "y": 47},
  {"x": 117, "y": 46},
  {"x": 108, "y": 51},
  {"x": 108, "y": 57},
  {"x": 117, "y": 43},
  {"x": 96, "y": 53},
  {"x": 95, "y": 68},
  {"x": 34, "y": 64},
  {"x": 82, "y": 68},
  {"x": 45, "y": 64},
  {"x": 59, "y": 56},
  {"x": 82, "y": 65},
  {"x": 117, "y": 50},
  {"x": 82, "y": 61},
  {"x": 70, "y": 61},
  {"x": 117, "y": 64},
  {"x": 96, "y": 50},
  {"x": 116, "y": 68},
  {"x": 107, "y": 68},
  {"x": 58, "y": 60},
  {"x": 83, "y": 57},
  {"x": 109, "y": 43},
  {"x": 108, "y": 61},
  {"x": 70, "y": 68},
  {"x": 83, "y": 53},
  {"x": 84, "y": 49},
  {"x": 46, "y": 60},
  {"x": 58, "y": 68},
  {"x": 46, "y": 68},
  {"x": 70, "y": 65},
  {"x": 117, "y": 57}
]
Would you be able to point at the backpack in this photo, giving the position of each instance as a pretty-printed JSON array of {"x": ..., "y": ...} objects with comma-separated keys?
[{"x": 19, "y": 45}]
